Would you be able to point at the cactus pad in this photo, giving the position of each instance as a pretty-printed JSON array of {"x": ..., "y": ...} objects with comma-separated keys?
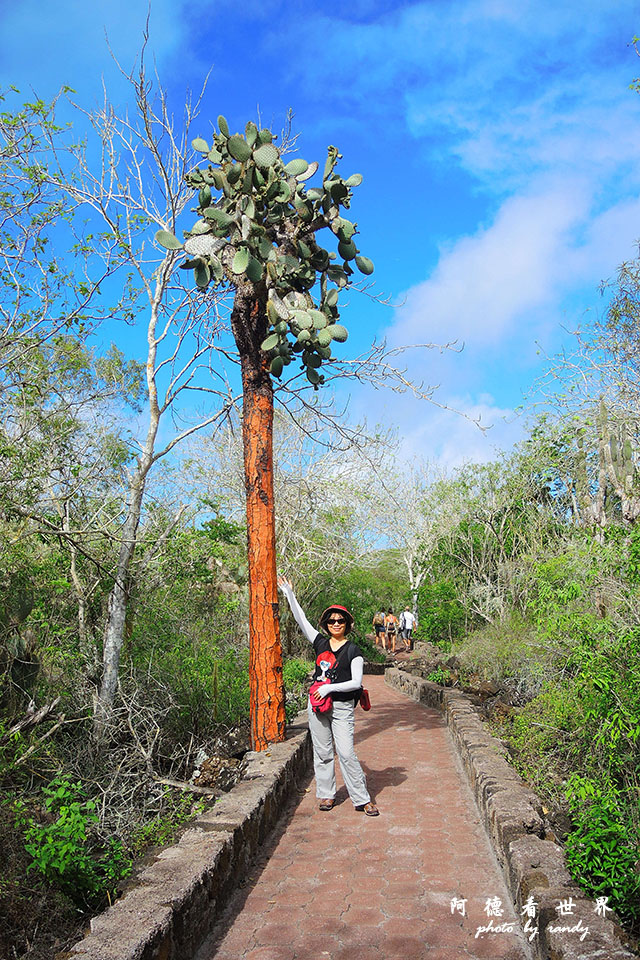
[
  {"x": 238, "y": 147},
  {"x": 266, "y": 155},
  {"x": 296, "y": 166},
  {"x": 168, "y": 240},
  {"x": 364, "y": 265},
  {"x": 241, "y": 260},
  {"x": 338, "y": 332}
]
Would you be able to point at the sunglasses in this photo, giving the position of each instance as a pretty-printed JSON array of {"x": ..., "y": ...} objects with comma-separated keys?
[{"x": 336, "y": 620}]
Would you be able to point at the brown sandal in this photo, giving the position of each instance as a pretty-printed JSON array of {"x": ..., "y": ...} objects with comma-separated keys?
[
  {"x": 370, "y": 809},
  {"x": 327, "y": 804}
]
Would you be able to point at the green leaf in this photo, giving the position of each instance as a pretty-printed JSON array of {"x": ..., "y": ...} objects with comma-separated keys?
[
  {"x": 168, "y": 240},
  {"x": 223, "y": 126},
  {"x": 241, "y": 260},
  {"x": 271, "y": 342},
  {"x": 265, "y": 136},
  {"x": 365, "y": 265},
  {"x": 354, "y": 180},
  {"x": 200, "y": 145}
]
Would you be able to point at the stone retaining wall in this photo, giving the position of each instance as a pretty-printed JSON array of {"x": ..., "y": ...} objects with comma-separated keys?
[
  {"x": 177, "y": 899},
  {"x": 533, "y": 865}
]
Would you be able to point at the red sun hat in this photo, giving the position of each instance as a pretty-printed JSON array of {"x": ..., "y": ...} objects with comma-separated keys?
[{"x": 338, "y": 609}]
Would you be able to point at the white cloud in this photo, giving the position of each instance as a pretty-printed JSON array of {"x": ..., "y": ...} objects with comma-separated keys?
[
  {"x": 464, "y": 427},
  {"x": 453, "y": 437},
  {"x": 485, "y": 282}
]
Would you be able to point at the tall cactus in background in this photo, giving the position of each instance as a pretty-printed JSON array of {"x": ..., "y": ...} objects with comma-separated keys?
[
  {"x": 257, "y": 232},
  {"x": 622, "y": 473},
  {"x": 606, "y": 483}
]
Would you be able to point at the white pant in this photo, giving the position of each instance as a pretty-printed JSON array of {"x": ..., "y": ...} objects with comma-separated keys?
[{"x": 336, "y": 726}]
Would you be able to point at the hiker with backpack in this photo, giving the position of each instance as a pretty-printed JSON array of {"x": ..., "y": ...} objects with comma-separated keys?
[
  {"x": 378, "y": 626},
  {"x": 332, "y": 701}
]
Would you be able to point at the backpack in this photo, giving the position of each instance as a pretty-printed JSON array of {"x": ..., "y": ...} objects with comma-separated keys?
[{"x": 378, "y": 619}]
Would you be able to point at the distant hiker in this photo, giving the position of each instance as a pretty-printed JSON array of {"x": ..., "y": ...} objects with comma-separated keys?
[
  {"x": 339, "y": 668},
  {"x": 391, "y": 627},
  {"x": 408, "y": 623},
  {"x": 378, "y": 626}
]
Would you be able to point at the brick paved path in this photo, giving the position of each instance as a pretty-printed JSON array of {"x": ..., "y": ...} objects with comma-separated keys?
[{"x": 339, "y": 885}]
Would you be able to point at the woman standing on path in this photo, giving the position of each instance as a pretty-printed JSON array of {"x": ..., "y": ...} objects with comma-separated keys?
[{"x": 342, "y": 670}]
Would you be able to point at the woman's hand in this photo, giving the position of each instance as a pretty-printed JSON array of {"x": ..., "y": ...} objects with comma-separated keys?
[
  {"x": 284, "y": 582},
  {"x": 322, "y": 691}
]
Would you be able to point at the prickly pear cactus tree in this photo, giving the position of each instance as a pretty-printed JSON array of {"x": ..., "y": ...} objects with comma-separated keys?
[{"x": 257, "y": 231}]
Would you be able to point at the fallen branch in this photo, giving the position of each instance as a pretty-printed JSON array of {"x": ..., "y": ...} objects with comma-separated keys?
[
  {"x": 31, "y": 719},
  {"x": 182, "y": 785},
  {"x": 39, "y": 742}
]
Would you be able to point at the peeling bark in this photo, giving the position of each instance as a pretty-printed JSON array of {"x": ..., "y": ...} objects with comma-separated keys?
[{"x": 265, "y": 651}]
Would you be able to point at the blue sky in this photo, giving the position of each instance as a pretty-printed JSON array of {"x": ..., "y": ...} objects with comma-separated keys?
[{"x": 498, "y": 142}]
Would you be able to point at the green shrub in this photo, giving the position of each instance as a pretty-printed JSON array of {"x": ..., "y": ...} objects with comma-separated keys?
[
  {"x": 441, "y": 676},
  {"x": 62, "y": 850},
  {"x": 295, "y": 674},
  {"x": 442, "y": 617},
  {"x": 181, "y": 808},
  {"x": 372, "y": 654},
  {"x": 603, "y": 850},
  {"x": 509, "y": 650},
  {"x": 545, "y": 738}
]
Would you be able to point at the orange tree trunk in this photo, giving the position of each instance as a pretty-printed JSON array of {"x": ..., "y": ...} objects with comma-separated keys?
[{"x": 265, "y": 652}]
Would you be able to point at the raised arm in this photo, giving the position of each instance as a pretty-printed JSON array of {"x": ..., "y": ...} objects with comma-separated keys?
[{"x": 309, "y": 631}]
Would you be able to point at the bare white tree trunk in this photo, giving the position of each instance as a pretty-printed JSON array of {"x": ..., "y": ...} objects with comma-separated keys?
[{"x": 114, "y": 630}]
